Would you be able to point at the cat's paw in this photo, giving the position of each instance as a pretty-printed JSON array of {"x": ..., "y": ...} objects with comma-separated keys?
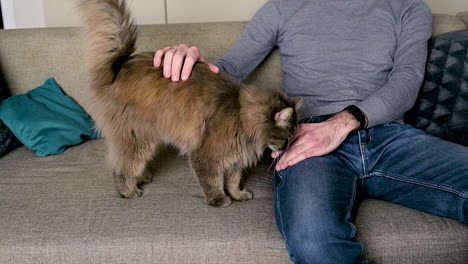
[
  {"x": 221, "y": 201},
  {"x": 147, "y": 177},
  {"x": 135, "y": 193},
  {"x": 241, "y": 196}
]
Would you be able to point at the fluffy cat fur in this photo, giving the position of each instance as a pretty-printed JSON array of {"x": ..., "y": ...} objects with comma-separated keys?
[{"x": 223, "y": 125}]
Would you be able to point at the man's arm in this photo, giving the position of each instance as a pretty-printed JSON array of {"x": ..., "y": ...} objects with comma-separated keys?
[
  {"x": 255, "y": 43},
  {"x": 399, "y": 94}
]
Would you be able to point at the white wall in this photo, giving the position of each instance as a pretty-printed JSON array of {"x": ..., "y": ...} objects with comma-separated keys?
[
  {"x": 62, "y": 13},
  {"x": 187, "y": 11},
  {"x": 22, "y": 13}
]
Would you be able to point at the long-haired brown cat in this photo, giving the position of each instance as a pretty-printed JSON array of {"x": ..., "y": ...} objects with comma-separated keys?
[{"x": 223, "y": 125}]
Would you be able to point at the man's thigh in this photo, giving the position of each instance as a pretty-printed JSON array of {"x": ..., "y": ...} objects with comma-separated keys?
[
  {"x": 317, "y": 187},
  {"x": 411, "y": 168},
  {"x": 314, "y": 209}
]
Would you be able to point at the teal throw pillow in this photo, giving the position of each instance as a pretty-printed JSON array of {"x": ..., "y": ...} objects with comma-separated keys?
[{"x": 46, "y": 120}]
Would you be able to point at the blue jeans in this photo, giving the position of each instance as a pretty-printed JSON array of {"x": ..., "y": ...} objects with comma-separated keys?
[{"x": 315, "y": 200}]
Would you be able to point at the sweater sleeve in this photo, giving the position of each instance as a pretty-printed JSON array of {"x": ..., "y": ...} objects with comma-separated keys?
[
  {"x": 391, "y": 101},
  {"x": 256, "y": 42}
]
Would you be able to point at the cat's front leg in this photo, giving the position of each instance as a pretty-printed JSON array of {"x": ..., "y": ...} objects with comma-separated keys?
[
  {"x": 233, "y": 180},
  {"x": 211, "y": 180},
  {"x": 126, "y": 186},
  {"x": 129, "y": 159}
]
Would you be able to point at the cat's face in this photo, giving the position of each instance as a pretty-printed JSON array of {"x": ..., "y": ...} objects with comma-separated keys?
[{"x": 284, "y": 125}]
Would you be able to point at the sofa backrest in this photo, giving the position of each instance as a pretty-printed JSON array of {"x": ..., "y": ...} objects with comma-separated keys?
[{"x": 28, "y": 57}]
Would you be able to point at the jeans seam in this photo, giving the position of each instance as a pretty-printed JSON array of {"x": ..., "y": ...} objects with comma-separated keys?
[
  {"x": 350, "y": 208},
  {"x": 441, "y": 187},
  {"x": 278, "y": 203},
  {"x": 280, "y": 214}
]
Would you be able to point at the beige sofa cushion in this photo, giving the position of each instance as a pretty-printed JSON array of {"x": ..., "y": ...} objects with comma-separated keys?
[{"x": 446, "y": 23}]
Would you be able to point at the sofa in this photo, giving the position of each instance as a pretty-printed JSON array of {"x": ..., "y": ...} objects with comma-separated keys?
[{"x": 63, "y": 208}]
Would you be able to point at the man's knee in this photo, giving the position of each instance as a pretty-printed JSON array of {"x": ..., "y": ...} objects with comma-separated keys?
[{"x": 322, "y": 248}]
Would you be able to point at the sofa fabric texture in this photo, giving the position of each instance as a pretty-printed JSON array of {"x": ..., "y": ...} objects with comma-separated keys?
[
  {"x": 442, "y": 105},
  {"x": 63, "y": 208},
  {"x": 68, "y": 212}
]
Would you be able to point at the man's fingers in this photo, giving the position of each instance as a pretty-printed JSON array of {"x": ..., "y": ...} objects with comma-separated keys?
[
  {"x": 298, "y": 158},
  {"x": 290, "y": 159},
  {"x": 213, "y": 68},
  {"x": 192, "y": 56},
  {"x": 178, "y": 61},
  {"x": 280, "y": 165},
  {"x": 295, "y": 150},
  {"x": 159, "y": 56},
  {"x": 286, "y": 156},
  {"x": 188, "y": 66},
  {"x": 167, "y": 64},
  {"x": 275, "y": 154},
  {"x": 296, "y": 154}
]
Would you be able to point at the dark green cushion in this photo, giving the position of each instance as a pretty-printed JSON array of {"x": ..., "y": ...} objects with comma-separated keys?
[
  {"x": 46, "y": 120},
  {"x": 442, "y": 105}
]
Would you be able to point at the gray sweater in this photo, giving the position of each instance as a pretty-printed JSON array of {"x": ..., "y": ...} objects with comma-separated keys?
[{"x": 335, "y": 53}]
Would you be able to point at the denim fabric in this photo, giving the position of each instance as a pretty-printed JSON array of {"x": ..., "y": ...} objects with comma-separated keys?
[{"x": 315, "y": 200}]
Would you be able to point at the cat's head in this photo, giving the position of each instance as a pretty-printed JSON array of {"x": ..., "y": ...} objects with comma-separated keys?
[
  {"x": 283, "y": 119},
  {"x": 272, "y": 117}
]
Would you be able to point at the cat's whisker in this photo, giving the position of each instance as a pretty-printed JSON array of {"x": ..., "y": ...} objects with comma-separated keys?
[{"x": 271, "y": 169}]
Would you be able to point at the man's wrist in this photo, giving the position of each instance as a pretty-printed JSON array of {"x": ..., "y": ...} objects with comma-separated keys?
[
  {"x": 358, "y": 115},
  {"x": 346, "y": 121}
]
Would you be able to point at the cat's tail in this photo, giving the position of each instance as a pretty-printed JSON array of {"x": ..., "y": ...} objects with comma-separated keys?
[{"x": 110, "y": 38}]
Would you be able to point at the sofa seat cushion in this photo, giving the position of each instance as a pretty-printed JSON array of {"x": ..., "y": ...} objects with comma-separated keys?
[
  {"x": 395, "y": 234},
  {"x": 63, "y": 209}
]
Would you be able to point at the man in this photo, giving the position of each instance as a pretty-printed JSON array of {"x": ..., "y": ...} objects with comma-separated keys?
[{"x": 358, "y": 64}]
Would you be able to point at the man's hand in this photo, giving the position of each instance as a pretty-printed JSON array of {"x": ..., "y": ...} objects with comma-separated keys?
[
  {"x": 319, "y": 139},
  {"x": 178, "y": 61}
]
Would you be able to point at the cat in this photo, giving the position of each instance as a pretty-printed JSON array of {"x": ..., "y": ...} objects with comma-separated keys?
[{"x": 221, "y": 124}]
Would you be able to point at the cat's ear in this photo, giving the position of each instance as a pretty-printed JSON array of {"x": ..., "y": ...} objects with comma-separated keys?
[
  {"x": 298, "y": 101},
  {"x": 284, "y": 117}
]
